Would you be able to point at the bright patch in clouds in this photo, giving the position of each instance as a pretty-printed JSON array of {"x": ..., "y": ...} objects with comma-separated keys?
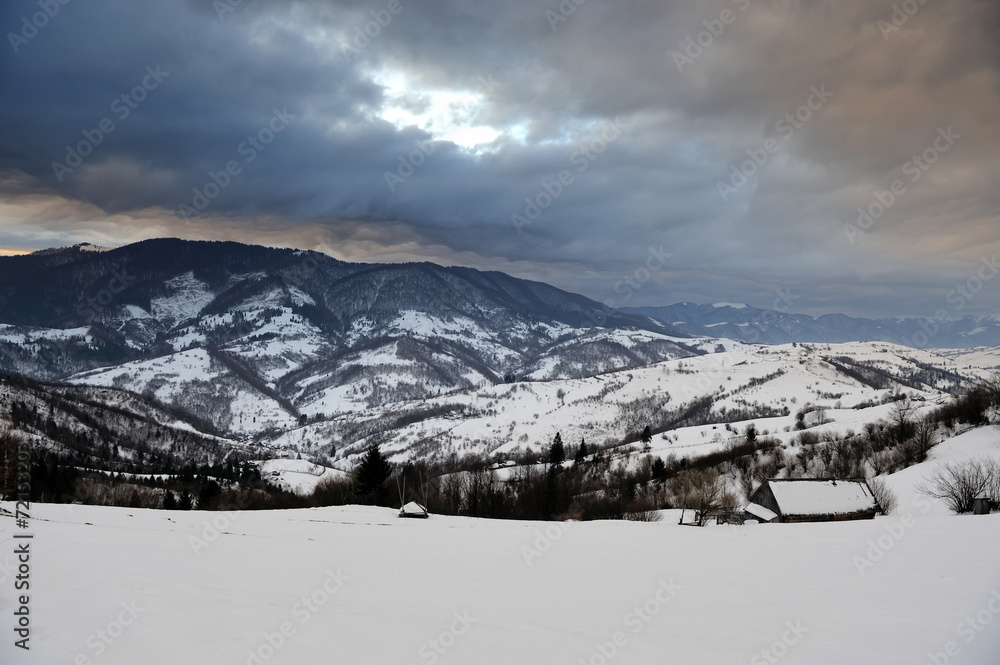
[{"x": 448, "y": 115}]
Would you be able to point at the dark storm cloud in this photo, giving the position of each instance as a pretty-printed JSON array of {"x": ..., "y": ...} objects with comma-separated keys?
[{"x": 644, "y": 107}]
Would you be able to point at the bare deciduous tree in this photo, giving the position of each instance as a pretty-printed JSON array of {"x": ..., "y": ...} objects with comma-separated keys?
[
  {"x": 959, "y": 484},
  {"x": 925, "y": 436},
  {"x": 901, "y": 420},
  {"x": 701, "y": 490},
  {"x": 884, "y": 496}
]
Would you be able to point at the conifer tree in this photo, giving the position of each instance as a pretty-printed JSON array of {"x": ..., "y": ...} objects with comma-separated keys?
[
  {"x": 659, "y": 470},
  {"x": 372, "y": 472},
  {"x": 557, "y": 452}
]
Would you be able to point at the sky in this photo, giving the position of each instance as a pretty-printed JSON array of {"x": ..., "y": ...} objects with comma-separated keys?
[{"x": 810, "y": 156}]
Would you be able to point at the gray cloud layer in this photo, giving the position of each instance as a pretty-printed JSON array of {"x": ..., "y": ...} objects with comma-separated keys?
[{"x": 692, "y": 87}]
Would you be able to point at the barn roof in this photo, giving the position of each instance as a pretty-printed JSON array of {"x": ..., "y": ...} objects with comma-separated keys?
[
  {"x": 822, "y": 497},
  {"x": 413, "y": 508},
  {"x": 760, "y": 512}
]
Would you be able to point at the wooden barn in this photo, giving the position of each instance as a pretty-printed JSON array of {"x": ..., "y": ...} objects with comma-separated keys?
[{"x": 812, "y": 500}]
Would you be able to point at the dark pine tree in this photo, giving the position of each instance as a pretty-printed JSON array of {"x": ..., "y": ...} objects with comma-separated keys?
[
  {"x": 169, "y": 502},
  {"x": 209, "y": 495},
  {"x": 557, "y": 452},
  {"x": 373, "y": 471},
  {"x": 581, "y": 452},
  {"x": 659, "y": 470},
  {"x": 186, "y": 501},
  {"x": 646, "y": 436}
]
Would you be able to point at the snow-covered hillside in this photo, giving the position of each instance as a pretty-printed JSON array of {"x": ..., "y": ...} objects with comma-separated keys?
[
  {"x": 253, "y": 338},
  {"x": 197, "y": 381},
  {"x": 837, "y": 387},
  {"x": 297, "y": 353}
]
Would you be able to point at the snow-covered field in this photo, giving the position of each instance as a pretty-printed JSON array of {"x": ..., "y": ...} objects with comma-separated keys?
[
  {"x": 296, "y": 475},
  {"x": 359, "y": 585}
]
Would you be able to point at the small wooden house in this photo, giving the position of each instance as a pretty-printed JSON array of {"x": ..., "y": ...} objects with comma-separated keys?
[{"x": 812, "y": 500}]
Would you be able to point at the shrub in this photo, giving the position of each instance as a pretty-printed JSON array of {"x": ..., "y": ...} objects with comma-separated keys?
[
  {"x": 884, "y": 495},
  {"x": 959, "y": 484}
]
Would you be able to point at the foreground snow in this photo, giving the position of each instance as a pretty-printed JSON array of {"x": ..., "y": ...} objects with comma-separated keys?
[{"x": 359, "y": 585}]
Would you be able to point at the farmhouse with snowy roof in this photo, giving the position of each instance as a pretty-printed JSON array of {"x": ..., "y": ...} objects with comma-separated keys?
[{"x": 812, "y": 500}]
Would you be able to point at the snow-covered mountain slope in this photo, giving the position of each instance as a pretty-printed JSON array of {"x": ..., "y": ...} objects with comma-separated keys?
[
  {"x": 197, "y": 381},
  {"x": 686, "y": 402},
  {"x": 302, "y": 332},
  {"x": 109, "y": 428},
  {"x": 300, "y": 352}
]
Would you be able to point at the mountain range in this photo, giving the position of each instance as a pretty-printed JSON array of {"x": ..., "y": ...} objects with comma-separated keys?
[
  {"x": 250, "y": 337},
  {"x": 211, "y": 346},
  {"x": 770, "y": 326}
]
